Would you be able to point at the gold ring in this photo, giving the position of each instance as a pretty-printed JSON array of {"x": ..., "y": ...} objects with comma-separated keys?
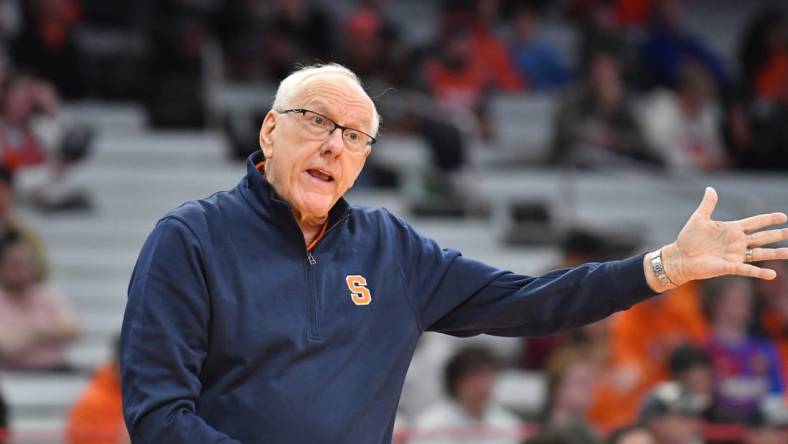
[{"x": 748, "y": 255}]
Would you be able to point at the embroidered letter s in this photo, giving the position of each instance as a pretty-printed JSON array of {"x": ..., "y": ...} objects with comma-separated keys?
[{"x": 359, "y": 293}]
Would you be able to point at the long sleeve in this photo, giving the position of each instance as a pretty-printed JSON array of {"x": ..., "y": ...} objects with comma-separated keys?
[
  {"x": 164, "y": 340},
  {"x": 463, "y": 297}
]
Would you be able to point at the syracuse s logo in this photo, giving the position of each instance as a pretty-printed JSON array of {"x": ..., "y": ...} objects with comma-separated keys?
[{"x": 359, "y": 292}]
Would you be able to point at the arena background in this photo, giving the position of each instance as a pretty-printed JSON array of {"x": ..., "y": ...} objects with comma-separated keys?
[{"x": 494, "y": 140}]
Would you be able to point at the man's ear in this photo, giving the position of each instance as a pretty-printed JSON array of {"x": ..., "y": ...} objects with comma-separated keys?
[{"x": 266, "y": 134}]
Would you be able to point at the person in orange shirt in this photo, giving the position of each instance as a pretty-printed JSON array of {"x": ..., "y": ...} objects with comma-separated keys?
[
  {"x": 97, "y": 417},
  {"x": 642, "y": 339}
]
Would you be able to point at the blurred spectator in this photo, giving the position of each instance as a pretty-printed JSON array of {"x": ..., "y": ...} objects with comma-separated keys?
[
  {"x": 468, "y": 415},
  {"x": 479, "y": 18},
  {"x": 180, "y": 31},
  {"x": 300, "y": 32},
  {"x": 668, "y": 46},
  {"x": 241, "y": 29},
  {"x": 32, "y": 134},
  {"x": 47, "y": 45},
  {"x": 758, "y": 132},
  {"x": 765, "y": 150},
  {"x": 672, "y": 414},
  {"x": 601, "y": 31},
  {"x": 9, "y": 224},
  {"x": 370, "y": 45},
  {"x": 456, "y": 80},
  {"x": 763, "y": 55},
  {"x": 746, "y": 368},
  {"x": 692, "y": 367},
  {"x": 35, "y": 325},
  {"x": 459, "y": 86},
  {"x": 540, "y": 64},
  {"x": 571, "y": 376},
  {"x": 632, "y": 434},
  {"x": 773, "y": 296},
  {"x": 595, "y": 125},
  {"x": 642, "y": 339},
  {"x": 22, "y": 98},
  {"x": 624, "y": 367},
  {"x": 97, "y": 416},
  {"x": 580, "y": 246},
  {"x": 683, "y": 127}
]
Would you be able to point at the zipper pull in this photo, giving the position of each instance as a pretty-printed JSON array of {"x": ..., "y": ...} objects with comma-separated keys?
[{"x": 310, "y": 258}]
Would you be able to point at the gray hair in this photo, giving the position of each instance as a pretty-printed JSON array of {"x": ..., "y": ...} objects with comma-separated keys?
[{"x": 293, "y": 84}]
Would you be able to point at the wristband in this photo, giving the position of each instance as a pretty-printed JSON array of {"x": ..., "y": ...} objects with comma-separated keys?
[{"x": 659, "y": 269}]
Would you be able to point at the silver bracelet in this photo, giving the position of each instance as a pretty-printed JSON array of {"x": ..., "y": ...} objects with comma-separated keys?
[{"x": 659, "y": 269}]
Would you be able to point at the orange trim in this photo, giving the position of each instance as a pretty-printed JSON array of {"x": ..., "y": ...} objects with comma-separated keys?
[
  {"x": 317, "y": 238},
  {"x": 260, "y": 167}
]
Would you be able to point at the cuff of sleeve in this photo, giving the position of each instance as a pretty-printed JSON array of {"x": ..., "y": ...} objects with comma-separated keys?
[{"x": 631, "y": 281}]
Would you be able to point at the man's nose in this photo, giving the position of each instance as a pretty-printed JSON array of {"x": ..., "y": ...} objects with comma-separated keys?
[{"x": 334, "y": 143}]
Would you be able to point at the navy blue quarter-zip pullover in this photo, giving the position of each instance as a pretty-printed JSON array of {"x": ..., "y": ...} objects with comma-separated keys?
[{"x": 234, "y": 333}]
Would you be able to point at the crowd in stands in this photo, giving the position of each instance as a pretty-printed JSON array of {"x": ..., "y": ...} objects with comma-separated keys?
[
  {"x": 637, "y": 86},
  {"x": 638, "y": 89}
]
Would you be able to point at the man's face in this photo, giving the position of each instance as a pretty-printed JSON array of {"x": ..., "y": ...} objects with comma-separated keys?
[
  {"x": 576, "y": 390},
  {"x": 473, "y": 391},
  {"x": 312, "y": 174},
  {"x": 699, "y": 380},
  {"x": 734, "y": 306},
  {"x": 17, "y": 271}
]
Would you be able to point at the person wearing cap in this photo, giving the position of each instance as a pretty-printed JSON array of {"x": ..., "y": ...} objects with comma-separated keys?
[
  {"x": 672, "y": 413},
  {"x": 278, "y": 312}
]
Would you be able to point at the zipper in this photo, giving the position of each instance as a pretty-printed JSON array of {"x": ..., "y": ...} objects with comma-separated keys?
[{"x": 313, "y": 331}]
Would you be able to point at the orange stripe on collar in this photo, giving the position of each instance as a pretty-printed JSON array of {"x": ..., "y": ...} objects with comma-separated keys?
[{"x": 317, "y": 238}]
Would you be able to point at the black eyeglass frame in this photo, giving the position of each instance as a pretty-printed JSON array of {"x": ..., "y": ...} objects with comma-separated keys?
[{"x": 303, "y": 111}]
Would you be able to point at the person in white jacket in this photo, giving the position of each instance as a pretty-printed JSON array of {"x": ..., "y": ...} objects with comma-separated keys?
[
  {"x": 683, "y": 126},
  {"x": 468, "y": 415}
]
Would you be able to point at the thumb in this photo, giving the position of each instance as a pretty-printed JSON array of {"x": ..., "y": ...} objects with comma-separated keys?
[{"x": 706, "y": 207}]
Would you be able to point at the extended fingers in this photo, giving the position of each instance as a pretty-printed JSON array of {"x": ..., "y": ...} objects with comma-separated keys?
[
  {"x": 769, "y": 254},
  {"x": 767, "y": 237},
  {"x": 755, "y": 272},
  {"x": 762, "y": 220}
]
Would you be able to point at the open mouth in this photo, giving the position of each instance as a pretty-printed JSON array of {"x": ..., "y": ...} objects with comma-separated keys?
[{"x": 320, "y": 175}]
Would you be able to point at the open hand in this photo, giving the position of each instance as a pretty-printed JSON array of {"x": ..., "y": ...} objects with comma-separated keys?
[{"x": 706, "y": 248}]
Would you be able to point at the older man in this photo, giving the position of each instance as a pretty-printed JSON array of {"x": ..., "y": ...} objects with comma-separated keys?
[{"x": 276, "y": 312}]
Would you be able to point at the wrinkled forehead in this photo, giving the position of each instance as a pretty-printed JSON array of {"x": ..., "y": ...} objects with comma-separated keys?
[{"x": 338, "y": 98}]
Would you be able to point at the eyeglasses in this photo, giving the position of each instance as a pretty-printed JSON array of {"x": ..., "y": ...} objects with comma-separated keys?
[{"x": 318, "y": 125}]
